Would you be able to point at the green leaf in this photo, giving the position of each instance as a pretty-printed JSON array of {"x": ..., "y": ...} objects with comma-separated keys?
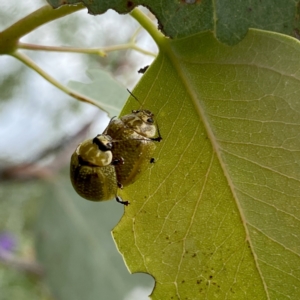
[
  {"x": 217, "y": 216},
  {"x": 74, "y": 245},
  {"x": 230, "y": 20},
  {"x": 107, "y": 91}
]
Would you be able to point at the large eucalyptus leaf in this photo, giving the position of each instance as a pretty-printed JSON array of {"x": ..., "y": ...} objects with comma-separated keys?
[
  {"x": 229, "y": 19},
  {"x": 217, "y": 216}
]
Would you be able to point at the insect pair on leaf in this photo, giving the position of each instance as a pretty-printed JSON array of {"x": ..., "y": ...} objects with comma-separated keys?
[{"x": 115, "y": 158}]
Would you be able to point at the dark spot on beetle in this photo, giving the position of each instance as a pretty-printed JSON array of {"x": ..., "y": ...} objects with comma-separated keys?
[
  {"x": 186, "y": 251},
  {"x": 143, "y": 70},
  {"x": 118, "y": 161},
  {"x": 152, "y": 160},
  {"x": 182, "y": 281},
  {"x": 199, "y": 281},
  {"x": 194, "y": 255},
  {"x": 167, "y": 238},
  {"x": 210, "y": 277}
]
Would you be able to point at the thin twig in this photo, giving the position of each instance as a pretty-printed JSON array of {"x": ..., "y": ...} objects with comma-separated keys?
[{"x": 31, "y": 64}]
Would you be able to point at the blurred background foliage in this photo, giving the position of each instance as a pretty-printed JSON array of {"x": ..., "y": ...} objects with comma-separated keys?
[{"x": 53, "y": 244}]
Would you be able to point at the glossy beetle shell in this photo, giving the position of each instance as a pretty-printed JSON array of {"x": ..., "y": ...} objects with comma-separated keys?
[
  {"x": 92, "y": 175},
  {"x": 133, "y": 143}
]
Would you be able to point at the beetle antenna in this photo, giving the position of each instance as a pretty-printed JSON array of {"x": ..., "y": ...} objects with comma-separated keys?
[{"x": 134, "y": 97}]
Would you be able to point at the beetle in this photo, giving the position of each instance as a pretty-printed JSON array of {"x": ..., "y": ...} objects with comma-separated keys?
[
  {"x": 133, "y": 144},
  {"x": 92, "y": 170}
]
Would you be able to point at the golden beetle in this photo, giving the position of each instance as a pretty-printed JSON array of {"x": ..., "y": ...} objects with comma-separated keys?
[
  {"x": 92, "y": 172},
  {"x": 133, "y": 144}
]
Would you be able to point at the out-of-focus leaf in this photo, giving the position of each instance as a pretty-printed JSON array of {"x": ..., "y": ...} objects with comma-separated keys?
[
  {"x": 103, "y": 88},
  {"x": 9, "y": 83},
  {"x": 18, "y": 204},
  {"x": 75, "y": 246},
  {"x": 229, "y": 19},
  {"x": 217, "y": 216}
]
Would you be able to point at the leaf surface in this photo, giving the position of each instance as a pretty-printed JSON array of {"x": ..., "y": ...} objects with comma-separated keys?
[
  {"x": 217, "y": 216},
  {"x": 229, "y": 19}
]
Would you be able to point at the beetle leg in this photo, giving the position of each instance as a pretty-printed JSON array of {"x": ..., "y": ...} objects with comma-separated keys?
[
  {"x": 159, "y": 138},
  {"x": 121, "y": 201}
]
